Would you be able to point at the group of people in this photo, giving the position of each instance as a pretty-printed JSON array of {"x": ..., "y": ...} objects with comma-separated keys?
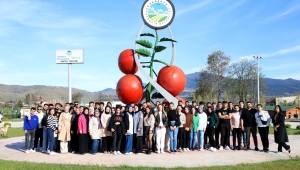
[{"x": 138, "y": 128}]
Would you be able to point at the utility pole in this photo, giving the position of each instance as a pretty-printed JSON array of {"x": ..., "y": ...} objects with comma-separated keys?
[{"x": 257, "y": 58}]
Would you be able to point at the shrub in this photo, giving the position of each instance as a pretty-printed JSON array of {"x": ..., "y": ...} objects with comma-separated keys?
[
  {"x": 288, "y": 126},
  {"x": 298, "y": 127}
]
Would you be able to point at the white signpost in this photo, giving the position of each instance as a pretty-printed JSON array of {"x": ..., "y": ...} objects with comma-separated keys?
[{"x": 69, "y": 57}]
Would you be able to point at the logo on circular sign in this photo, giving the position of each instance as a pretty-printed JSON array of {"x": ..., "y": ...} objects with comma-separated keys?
[{"x": 158, "y": 14}]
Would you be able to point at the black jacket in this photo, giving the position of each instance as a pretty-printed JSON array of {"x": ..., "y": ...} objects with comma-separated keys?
[
  {"x": 280, "y": 135},
  {"x": 119, "y": 129},
  {"x": 173, "y": 116}
]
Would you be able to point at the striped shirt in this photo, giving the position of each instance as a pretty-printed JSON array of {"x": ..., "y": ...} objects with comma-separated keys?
[{"x": 52, "y": 122}]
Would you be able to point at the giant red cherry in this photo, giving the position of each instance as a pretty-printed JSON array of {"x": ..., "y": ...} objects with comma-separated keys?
[
  {"x": 130, "y": 89},
  {"x": 126, "y": 62},
  {"x": 173, "y": 79}
]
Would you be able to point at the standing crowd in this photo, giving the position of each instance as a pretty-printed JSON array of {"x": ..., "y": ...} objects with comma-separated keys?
[{"x": 141, "y": 128}]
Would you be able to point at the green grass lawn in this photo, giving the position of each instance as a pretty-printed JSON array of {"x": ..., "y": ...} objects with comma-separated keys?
[
  {"x": 289, "y": 131},
  {"x": 280, "y": 164},
  {"x": 14, "y": 132}
]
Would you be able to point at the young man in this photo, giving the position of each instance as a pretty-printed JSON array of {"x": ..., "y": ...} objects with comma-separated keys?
[
  {"x": 31, "y": 123},
  {"x": 45, "y": 108},
  {"x": 39, "y": 131},
  {"x": 263, "y": 121},
  {"x": 248, "y": 125},
  {"x": 91, "y": 104},
  {"x": 218, "y": 128},
  {"x": 225, "y": 121},
  {"x": 243, "y": 133}
]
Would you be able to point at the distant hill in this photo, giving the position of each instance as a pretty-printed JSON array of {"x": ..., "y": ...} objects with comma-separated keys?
[{"x": 276, "y": 87}]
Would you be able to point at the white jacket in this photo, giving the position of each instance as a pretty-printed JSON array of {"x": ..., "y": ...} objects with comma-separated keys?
[
  {"x": 262, "y": 116},
  {"x": 202, "y": 121}
]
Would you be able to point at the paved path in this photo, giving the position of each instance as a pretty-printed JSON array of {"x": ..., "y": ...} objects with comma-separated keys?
[{"x": 13, "y": 149}]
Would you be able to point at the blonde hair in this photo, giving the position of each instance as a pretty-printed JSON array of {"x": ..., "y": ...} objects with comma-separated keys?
[{"x": 163, "y": 110}]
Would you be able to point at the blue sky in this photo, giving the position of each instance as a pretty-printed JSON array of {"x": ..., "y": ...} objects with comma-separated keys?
[{"x": 31, "y": 31}]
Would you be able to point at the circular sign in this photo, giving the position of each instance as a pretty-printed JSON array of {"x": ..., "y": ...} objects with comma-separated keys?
[{"x": 158, "y": 14}]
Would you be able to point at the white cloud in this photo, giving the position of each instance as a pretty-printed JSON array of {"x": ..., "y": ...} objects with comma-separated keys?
[
  {"x": 192, "y": 8},
  {"x": 284, "y": 13},
  {"x": 280, "y": 52}
]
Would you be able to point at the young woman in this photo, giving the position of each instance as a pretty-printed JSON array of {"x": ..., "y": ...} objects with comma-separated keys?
[
  {"x": 74, "y": 128},
  {"x": 180, "y": 128},
  {"x": 95, "y": 131},
  {"x": 173, "y": 124},
  {"x": 149, "y": 121},
  {"x": 212, "y": 123},
  {"x": 160, "y": 124},
  {"x": 280, "y": 134},
  {"x": 187, "y": 129},
  {"x": 138, "y": 120},
  {"x": 194, "y": 130},
  {"x": 118, "y": 129},
  {"x": 106, "y": 133},
  {"x": 113, "y": 110},
  {"x": 64, "y": 129},
  {"x": 236, "y": 128},
  {"x": 57, "y": 143},
  {"x": 128, "y": 117},
  {"x": 46, "y": 140},
  {"x": 51, "y": 129},
  {"x": 83, "y": 124},
  {"x": 201, "y": 128}
]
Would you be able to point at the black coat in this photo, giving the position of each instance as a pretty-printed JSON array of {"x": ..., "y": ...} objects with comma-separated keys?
[{"x": 280, "y": 135}]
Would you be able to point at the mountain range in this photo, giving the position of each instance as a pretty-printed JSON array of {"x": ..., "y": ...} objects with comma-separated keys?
[{"x": 276, "y": 87}]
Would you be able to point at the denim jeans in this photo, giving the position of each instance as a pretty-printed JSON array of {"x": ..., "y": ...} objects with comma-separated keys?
[
  {"x": 193, "y": 138},
  {"x": 95, "y": 145},
  {"x": 200, "y": 139},
  {"x": 46, "y": 141},
  {"x": 50, "y": 134},
  {"x": 128, "y": 147},
  {"x": 29, "y": 139},
  {"x": 173, "y": 137},
  {"x": 243, "y": 138}
]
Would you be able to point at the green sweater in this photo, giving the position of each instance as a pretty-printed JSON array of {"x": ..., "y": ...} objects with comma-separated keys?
[
  {"x": 213, "y": 121},
  {"x": 195, "y": 122}
]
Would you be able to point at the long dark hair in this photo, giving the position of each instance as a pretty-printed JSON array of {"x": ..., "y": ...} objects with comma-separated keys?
[
  {"x": 278, "y": 107},
  {"x": 149, "y": 112}
]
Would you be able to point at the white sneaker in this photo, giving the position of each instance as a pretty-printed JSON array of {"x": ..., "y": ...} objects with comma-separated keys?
[
  {"x": 184, "y": 149},
  {"x": 187, "y": 149},
  {"x": 126, "y": 153},
  {"x": 210, "y": 148},
  {"x": 130, "y": 152},
  {"x": 200, "y": 149},
  {"x": 227, "y": 148},
  {"x": 31, "y": 150},
  {"x": 162, "y": 151},
  {"x": 158, "y": 151},
  {"x": 27, "y": 151},
  {"x": 221, "y": 148},
  {"x": 214, "y": 149},
  {"x": 115, "y": 153},
  {"x": 52, "y": 153},
  {"x": 43, "y": 151},
  {"x": 119, "y": 152},
  {"x": 48, "y": 151}
]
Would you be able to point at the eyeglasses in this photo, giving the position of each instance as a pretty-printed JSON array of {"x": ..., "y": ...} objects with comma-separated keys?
[{"x": 39, "y": 109}]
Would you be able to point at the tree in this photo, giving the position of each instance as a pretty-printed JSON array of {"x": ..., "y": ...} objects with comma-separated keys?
[
  {"x": 225, "y": 96},
  {"x": 262, "y": 97},
  {"x": 217, "y": 65},
  {"x": 242, "y": 79},
  {"x": 77, "y": 97},
  {"x": 19, "y": 104},
  {"x": 204, "y": 85},
  {"x": 100, "y": 96},
  {"x": 30, "y": 99}
]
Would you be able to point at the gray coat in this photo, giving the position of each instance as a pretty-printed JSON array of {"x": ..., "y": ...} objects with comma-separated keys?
[{"x": 140, "y": 124}]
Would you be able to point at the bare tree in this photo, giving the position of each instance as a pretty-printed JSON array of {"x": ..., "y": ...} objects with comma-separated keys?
[
  {"x": 77, "y": 97},
  {"x": 30, "y": 99}
]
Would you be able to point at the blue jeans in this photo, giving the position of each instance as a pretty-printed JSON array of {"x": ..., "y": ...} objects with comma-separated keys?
[
  {"x": 193, "y": 138},
  {"x": 95, "y": 145},
  {"x": 200, "y": 139},
  {"x": 173, "y": 137},
  {"x": 50, "y": 134},
  {"x": 46, "y": 140},
  {"x": 243, "y": 136},
  {"x": 128, "y": 147}
]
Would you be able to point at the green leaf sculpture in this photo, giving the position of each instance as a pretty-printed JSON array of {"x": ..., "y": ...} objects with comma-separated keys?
[
  {"x": 166, "y": 39},
  {"x": 144, "y": 43},
  {"x": 143, "y": 52}
]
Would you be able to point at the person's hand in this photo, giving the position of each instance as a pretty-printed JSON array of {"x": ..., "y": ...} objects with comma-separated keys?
[
  {"x": 112, "y": 130},
  {"x": 90, "y": 134},
  {"x": 187, "y": 129},
  {"x": 139, "y": 129},
  {"x": 55, "y": 131},
  {"x": 243, "y": 128},
  {"x": 45, "y": 128},
  {"x": 80, "y": 131},
  {"x": 71, "y": 131},
  {"x": 204, "y": 129},
  {"x": 25, "y": 131},
  {"x": 128, "y": 132}
]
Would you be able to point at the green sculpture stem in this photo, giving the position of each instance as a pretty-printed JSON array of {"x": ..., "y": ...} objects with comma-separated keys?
[{"x": 148, "y": 91}]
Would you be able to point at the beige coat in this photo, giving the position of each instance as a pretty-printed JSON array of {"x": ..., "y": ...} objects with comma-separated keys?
[
  {"x": 64, "y": 127},
  {"x": 93, "y": 128},
  {"x": 105, "y": 120}
]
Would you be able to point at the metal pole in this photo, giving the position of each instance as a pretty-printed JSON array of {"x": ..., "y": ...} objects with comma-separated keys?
[
  {"x": 257, "y": 58},
  {"x": 258, "y": 102},
  {"x": 70, "y": 83}
]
